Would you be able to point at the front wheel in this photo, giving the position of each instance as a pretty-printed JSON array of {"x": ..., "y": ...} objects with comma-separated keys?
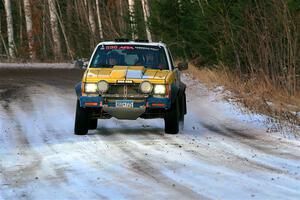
[
  {"x": 172, "y": 118},
  {"x": 93, "y": 123},
  {"x": 182, "y": 110},
  {"x": 81, "y": 120}
]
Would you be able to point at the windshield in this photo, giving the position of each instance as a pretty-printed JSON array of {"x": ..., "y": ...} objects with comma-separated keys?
[{"x": 152, "y": 57}]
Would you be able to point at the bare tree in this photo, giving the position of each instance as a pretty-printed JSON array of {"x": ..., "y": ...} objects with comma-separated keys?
[
  {"x": 131, "y": 9},
  {"x": 99, "y": 20},
  {"x": 64, "y": 32},
  {"x": 121, "y": 15},
  {"x": 3, "y": 42},
  {"x": 146, "y": 12},
  {"x": 10, "y": 30},
  {"x": 179, "y": 5},
  {"x": 54, "y": 29},
  {"x": 28, "y": 19},
  {"x": 91, "y": 18}
]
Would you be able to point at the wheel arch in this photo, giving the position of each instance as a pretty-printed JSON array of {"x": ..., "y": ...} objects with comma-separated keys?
[
  {"x": 78, "y": 90},
  {"x": 182, "y": 96}
]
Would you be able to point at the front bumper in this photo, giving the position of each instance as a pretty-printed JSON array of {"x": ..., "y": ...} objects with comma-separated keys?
[
  {"x": 150, "y": 102},
  {"x": 140, "y": 106}
]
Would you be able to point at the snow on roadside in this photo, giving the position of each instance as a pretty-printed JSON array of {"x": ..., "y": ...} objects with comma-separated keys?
[
  {"x": 232, "y": 110},
  {"x": 37, "y": 65}
]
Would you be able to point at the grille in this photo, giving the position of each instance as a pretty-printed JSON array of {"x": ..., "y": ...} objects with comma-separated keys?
[{"x": 124, "y": 89}]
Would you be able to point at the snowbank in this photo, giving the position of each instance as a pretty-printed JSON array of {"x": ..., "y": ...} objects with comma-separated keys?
[{"x": 37, "y": 65}]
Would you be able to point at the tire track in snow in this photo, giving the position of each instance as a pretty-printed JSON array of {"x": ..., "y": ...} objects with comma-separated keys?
[{"x": 17, "y": 171}]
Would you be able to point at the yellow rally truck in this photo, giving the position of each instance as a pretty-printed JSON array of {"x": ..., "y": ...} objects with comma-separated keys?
[{"x": 127, "y": 80}]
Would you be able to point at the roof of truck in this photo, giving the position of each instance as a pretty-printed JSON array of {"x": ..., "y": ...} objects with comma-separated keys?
[{"x": 132, "y": 43}]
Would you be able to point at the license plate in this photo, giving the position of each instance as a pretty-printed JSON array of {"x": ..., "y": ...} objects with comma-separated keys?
[{"x": 124, "y": 103}]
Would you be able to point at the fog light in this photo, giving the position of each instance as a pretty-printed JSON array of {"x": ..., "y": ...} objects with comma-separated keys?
[
  {"x": 102, "y": 86},
  {"x": 146, "y": 87}
]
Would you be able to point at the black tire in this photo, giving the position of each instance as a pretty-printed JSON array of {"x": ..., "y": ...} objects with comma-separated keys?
[
  {"x": 93, "y": 124},
  {"x": 172, "y": 118},
  {"x": 81, "y": 120},
  {"x": 182, "y": 107},
  {"x": 182, "y": 111},
  {"x": 184, "y": 104}
]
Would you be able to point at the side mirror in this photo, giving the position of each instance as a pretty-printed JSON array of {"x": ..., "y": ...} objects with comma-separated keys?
[
  {"x": 84, "y": 66},
  {"x": 80, "y": 64},
  {"x": 183, "y": 66}
]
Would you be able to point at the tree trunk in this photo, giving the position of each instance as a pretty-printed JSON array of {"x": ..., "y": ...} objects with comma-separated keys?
[
  {"x": 91, "y": 18},
  {"x": 91, "y": 22},
  {"x": 3, "y": 42},
  {"x": 54, "y": 29},
  {"x": 28, "y": 19},
  {"x": 179, "y": 5},
  {"x": 10, "y": 30},
  {"x": 99, "y": 20},
  {"x": 20, "y": 23},
  {"x": 146, "y": 12},
  {"x": 121, "y": 16},
  {"x": 132, "y": 18},
  {"x": 44, "y": 26},
  {"x": 64, "y": 34}
]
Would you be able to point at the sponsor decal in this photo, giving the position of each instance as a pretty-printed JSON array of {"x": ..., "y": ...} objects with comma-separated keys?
[
  {"x": 119, "y": 47},
  {"x": 130, "y": 47}
]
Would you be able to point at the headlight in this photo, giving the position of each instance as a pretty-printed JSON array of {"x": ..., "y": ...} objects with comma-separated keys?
[
  {"x": 159, "y": 89},
  {"x": 102, "y": 86},
  {"x": 146, "y": 87},
  {"x": 90, "y": 87}
]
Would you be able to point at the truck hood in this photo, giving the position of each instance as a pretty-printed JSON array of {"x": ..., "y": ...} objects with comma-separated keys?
[{"x": 135, "y": 73}]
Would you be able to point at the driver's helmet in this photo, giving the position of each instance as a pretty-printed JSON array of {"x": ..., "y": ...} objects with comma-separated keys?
[
  {"x": 149, "y": 60},
  {"x": 113, "y": 57}
]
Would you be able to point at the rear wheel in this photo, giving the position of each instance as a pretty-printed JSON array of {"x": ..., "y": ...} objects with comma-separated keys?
[
  {"x": 81, "y": 120},
  {"x": 172, "y": 118}
]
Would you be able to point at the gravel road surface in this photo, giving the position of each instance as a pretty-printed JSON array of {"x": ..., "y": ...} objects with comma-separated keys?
[{"x": 217, "y": 155}]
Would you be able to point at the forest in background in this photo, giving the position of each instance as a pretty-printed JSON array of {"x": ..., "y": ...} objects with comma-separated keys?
[{"x": 253, "y": 39}]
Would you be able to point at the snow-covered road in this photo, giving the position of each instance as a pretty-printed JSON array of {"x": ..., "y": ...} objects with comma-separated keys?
[{"x": 220, "y": 154}]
